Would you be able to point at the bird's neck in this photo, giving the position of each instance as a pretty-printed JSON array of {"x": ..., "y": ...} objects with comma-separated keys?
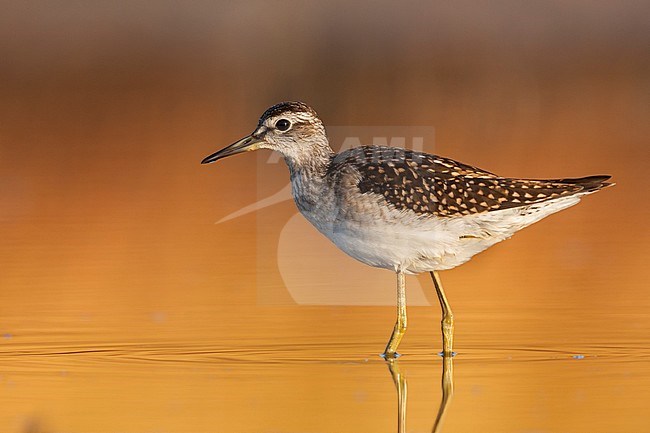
[
  {"x": 308, "y": 177},
  {"x": 311, "y": 161}
]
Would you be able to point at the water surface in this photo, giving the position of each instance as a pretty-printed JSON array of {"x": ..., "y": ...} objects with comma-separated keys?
[{"x": 124, "y": 308}]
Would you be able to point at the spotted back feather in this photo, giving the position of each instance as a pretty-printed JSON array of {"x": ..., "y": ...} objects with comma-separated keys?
[{"x": 432, "y": 185}]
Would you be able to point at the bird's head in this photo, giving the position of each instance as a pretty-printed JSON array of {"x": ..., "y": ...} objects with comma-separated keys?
[{"x": 291, "y": 128}]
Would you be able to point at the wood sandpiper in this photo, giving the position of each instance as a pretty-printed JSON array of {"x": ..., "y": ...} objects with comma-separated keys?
[{"x": 403, "y": 210}]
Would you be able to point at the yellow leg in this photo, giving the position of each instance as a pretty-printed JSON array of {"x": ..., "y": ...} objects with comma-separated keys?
[
  {"x": 447, "y": 323},
  {"x": 400, "y": 325}
]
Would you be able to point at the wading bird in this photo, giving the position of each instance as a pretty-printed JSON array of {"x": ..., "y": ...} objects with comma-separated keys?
[{"x": 403, "y": 210}]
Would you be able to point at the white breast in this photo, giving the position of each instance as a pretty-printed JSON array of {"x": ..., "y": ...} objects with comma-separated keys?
[
  {"x": 369, "y": 230},
  {"x": 386, "y": 238}
]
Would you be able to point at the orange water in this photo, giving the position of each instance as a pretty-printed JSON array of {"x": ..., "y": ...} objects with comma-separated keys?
[{"x": 124, "y": 308}]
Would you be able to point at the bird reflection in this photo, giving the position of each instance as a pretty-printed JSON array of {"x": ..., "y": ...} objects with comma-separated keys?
[
  {"x": 401, "y": 385},
  {"x": 402, "y": 392}
]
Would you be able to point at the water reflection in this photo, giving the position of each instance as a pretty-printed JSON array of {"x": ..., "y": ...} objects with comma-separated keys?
[
  {"x": 401, "y": 385},
  {"x": 402, "y": 392},
  {"x": 447, "y": 385}
]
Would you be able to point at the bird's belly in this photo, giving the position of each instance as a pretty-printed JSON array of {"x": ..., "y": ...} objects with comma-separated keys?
[
  {"x": 418, "y": 245},
  {"x": 394, "y": 240},
  {"x": 429, "y": 247},
  {"x": 362, "y": 242},
  {"x": 372, "y": 247}
]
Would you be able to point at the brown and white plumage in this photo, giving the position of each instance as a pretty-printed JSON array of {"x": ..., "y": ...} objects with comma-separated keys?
[
  {"x": 399, "y": 209},
  {"x": 432, "y": 185},
  {"x": 451, "y": 211}
]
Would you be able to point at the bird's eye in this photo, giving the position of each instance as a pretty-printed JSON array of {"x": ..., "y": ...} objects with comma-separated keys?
[{"x": 283, "y": 124}]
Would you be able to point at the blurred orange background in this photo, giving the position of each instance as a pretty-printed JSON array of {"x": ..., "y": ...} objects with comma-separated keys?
[{"x": 107, "y": 219}]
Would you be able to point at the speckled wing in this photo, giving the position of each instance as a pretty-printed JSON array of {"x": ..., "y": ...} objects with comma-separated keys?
[{"x": 432, "y": 185}]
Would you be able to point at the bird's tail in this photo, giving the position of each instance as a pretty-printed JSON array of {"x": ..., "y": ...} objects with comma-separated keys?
[{"x": 588, "y": 183}]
